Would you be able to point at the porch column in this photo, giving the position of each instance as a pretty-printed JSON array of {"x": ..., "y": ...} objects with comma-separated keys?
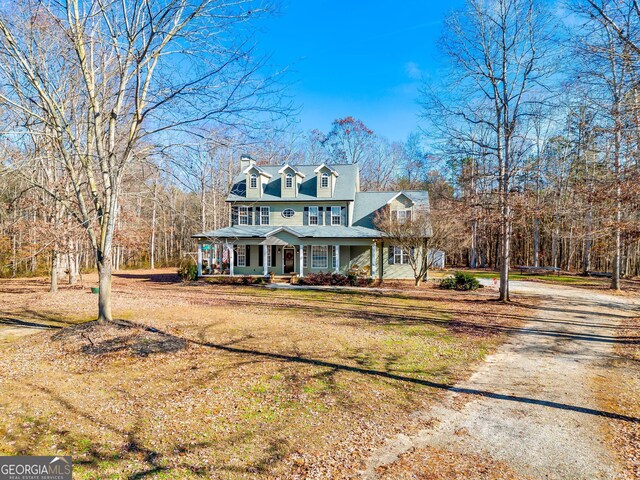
[
  {"x": 265, "y": 265},
  {"x": 336, "y": 254},
  {"x": 199, "y": 259},
  {"x": 231, "y": 259},
  {"x": 301, "y": 260},
  {"x": 374, "y": 259}
]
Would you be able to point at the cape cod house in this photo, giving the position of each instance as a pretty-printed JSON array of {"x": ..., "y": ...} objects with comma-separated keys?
[{"x": 310, "y": 218}]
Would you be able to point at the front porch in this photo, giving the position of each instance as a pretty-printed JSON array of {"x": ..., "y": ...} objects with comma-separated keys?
[{"x": 273, "y": 256}]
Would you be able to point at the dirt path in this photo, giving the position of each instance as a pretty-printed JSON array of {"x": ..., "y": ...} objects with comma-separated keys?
[{"x": 531, "y": 406}]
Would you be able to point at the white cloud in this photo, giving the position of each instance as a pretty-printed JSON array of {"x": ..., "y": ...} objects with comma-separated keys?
[{"x": 413, "y": 71}]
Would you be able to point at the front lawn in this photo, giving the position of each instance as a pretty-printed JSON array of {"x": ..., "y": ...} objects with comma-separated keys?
[{"x": 232, "y": 381}]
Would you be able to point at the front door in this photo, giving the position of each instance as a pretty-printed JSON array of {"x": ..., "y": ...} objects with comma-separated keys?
[{"x": 289, "y": 260}]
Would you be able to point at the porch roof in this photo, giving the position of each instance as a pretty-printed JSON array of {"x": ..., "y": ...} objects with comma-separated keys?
[{"x": 265, "y": 231}]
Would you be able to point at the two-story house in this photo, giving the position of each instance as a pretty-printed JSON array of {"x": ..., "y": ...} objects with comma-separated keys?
[{"x": 306, "y": 218}]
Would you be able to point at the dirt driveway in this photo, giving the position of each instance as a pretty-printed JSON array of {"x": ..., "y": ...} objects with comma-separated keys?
[{"x": 531, "y": 408}]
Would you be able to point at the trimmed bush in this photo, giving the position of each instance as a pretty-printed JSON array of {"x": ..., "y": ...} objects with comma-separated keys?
[
  {"x": 188, "y": 271},
  {"x": 460, "y": 281}
]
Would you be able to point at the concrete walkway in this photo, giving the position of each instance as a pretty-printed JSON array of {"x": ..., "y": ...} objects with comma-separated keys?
[{"x": 531, "y": 405}]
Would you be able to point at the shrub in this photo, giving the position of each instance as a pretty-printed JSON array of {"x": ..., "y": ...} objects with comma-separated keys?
[
  {"x": 335, "y": 280},
  {"x": 188, "y": 270},
  {"x": 460, "y": 281}
]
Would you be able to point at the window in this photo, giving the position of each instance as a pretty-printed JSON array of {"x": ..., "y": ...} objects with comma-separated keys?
[
  {"x": 288, "y": 182},
  {"x": 305, "y": 262},
  {"x": 243, "y": 215},
  {"x": 324, "y": 180},
  {"x": 319, "y": 256},
  {"x": 269, "y": 256},
  {"x": 241, "y": 252},
  {"x": 264, "y": 215},
  {"x": 402, "y": 216},
  {"x": 334, "y": 258},
  {"x": 253, "y": 182},
  {"x": 400, "y": 256},
  {"x": 288, "y": 213},
  {"x": 336, "y": 215},
  {"x": 313, "y": 215}
]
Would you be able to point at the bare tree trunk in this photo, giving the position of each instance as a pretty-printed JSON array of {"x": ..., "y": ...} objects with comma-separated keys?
[
  {"x": 72, "y": 261},
  {"x": 104, "y": 282},
  {"x": 154, "y": 214},
  {"x": 55, "y": 266}
]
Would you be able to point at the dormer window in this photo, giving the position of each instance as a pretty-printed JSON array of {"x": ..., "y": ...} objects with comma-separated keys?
[
  {"x": 324, "y": 181},
  {"x": 288, "y": 182},
  {"x": 401, "y": 216},
  {"x": 253, "y": 181}
]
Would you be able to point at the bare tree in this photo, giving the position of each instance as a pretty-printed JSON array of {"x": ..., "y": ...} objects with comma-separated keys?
[
  {"x": 422, "y": 237},
  {"x": 498, "y": 52},
  {"x": 108, "y": 81}
]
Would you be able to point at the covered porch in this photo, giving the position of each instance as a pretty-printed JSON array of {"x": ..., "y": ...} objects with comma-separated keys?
[{"x": 283, "y": 252}]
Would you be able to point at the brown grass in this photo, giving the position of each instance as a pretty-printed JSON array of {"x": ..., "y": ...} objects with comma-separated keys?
[{"x": 230, "y": 382}]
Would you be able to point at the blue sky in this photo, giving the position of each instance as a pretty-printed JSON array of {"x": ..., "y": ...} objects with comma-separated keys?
[{"x": 356, "y": 57}]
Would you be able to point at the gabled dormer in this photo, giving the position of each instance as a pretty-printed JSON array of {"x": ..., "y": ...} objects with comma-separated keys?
[
  {"x": 256, "y": 179},
  {"x": 326, "y": 181},
  {"x": 290, "y": 180}
]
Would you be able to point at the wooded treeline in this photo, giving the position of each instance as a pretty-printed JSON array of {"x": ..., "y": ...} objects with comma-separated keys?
[{"x": 530, "y": 138}]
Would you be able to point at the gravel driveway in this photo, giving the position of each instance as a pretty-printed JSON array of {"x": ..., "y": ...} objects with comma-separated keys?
[{"x": 531, "y": 405}]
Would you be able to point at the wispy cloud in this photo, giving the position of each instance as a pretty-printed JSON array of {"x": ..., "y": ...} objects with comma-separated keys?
[{"x": 413, "y": 71}]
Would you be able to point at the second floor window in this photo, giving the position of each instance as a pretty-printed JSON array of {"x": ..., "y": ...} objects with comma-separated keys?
[
  {"x": 401, "y": 216},
  {"x": 324, "y": 180},
  {"x": 243, "y": 215},
  {"x": 264, "y": 216},
  {"x": 288, "y": 182},
  {"x": 313, "y": 215},
  {"x": 253, "y": 182},
  {"x": 336, "y": 215}
]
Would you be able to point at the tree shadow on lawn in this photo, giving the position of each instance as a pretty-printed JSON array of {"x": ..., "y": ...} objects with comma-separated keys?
[
  {"x": 426, "y": 383},
  {"x": 392, "y": 376},
  {"x": 134, "y": 451},
  {"x": 161, "y": 278}
]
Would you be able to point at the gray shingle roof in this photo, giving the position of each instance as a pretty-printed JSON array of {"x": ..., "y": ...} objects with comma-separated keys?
[
  {"x": 262, "y": 231},
  {"x": 367, "y": 204},
  {"x": 345, "y": 184}
]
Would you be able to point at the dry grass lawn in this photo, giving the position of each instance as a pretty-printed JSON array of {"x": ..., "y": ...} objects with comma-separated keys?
[{"x": 203, "y": 381}]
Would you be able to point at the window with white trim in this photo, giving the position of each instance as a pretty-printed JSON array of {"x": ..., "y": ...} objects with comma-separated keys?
[
  {"x": 334, "y": 258},
  {"x": 324, "y": 180},
  {"x": 265, "y": 215},
  {"x": 313, "y": 216},
  {"x": 268, "y": 255},
  {"x": 253, "y": 181},
  {"x": 402, "y": 216},
  {"x": 288, "y": 181},
  {"x": 241, "y": 252},
  {"x": 243, "y": 215},
  {"x": 400, "y": 256},
  {"x": 336, "y": 215},
  {"x": 319, "y": 256}
]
